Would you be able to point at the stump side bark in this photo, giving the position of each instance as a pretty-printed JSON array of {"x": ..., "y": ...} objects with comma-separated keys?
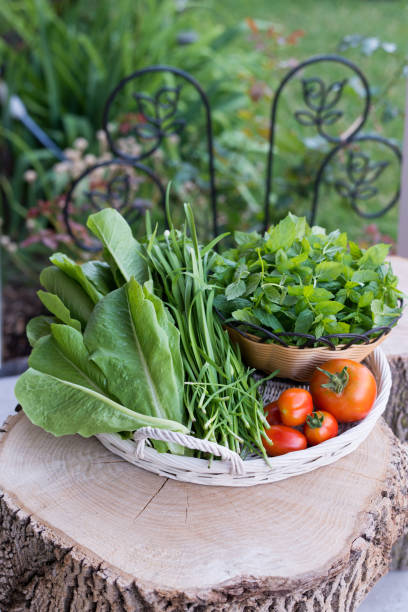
[
  {"x": 86, "y": 531},
  {"x": 396, "y": 415}
]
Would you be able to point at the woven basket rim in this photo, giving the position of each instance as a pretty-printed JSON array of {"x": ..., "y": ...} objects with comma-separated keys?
[
  {"x": 339, "y": 347},
  {"x": 322, "y": 341},
  {"x": 192, "y": 469}
]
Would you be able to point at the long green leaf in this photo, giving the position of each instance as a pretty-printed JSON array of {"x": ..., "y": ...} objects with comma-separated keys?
[
  {"x": 38, "y": 327},
  {"x": 62, "y": 408},
  {"x": 122, "y": 251},
  {"x": 75, "y": 271},
  {"x": 69, "y": 291},
  {"x": 55, "y": 305},
  {"x": 131, "y": 344},
  {"x": 65, "y": 392},
  {"x": 100, "y": 275}
]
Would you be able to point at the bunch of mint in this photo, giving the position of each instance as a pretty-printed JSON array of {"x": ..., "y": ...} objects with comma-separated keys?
[{"x": 298, "y": 278}]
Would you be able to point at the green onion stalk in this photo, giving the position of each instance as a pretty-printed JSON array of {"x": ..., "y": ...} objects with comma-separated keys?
[{"x": 222, "y": 401}]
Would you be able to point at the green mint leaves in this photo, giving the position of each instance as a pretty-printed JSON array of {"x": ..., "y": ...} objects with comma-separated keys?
[{"x": 298, "y": 278}]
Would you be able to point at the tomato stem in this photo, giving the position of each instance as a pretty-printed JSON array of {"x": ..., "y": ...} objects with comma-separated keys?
[
  {"x": 315, "y": 420},
  {"x": 337, "y": 381}
]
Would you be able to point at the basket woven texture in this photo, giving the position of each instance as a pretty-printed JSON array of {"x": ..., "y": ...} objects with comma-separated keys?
[
  {"x": 293, "y": 362},
  {"x": 231, "y": 470}
]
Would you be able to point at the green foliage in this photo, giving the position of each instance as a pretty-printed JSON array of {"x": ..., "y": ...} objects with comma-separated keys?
[
  {"x": 124, "y": 371},
  {"x": 80, "y": 49},
  {"x": 298, "y": 278},
  {"x": 69, "y": 293},
  {"x": 60, "y": 366},
  {"x": 121, "y": 251},
  {"x": 125, "y": 361}
]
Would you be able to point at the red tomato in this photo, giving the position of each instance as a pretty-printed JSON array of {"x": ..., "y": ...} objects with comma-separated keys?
[
  {"x": 320, "y": 426},
  {"x": 272, "y": 413},
  {"x": 294, "y": 406},
  {"x": 344, "y": 388},
  {"x": 284, "y": 440}
]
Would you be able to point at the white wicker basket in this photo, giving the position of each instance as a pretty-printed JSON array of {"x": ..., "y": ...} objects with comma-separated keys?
[{"x": 231, "y": 470}]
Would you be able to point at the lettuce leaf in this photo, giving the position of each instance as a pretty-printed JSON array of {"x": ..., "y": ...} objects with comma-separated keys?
[
  {"x": 125, "y": 372},
  {"x": 71, "y": 294},
  {"x": 64, "y": 392},
  {"x": 133, "y": 342},
  {"x": 38, "y": 327},
  {"x": 56, "y": 306},
  {"x": 75, "y": 271},
  {"x": 121, "y": 250}
]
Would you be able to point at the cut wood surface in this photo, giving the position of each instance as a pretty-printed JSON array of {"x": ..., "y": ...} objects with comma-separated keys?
[
  {"x": 396, "y": 415},
  {"x": 83, "y": 530}
]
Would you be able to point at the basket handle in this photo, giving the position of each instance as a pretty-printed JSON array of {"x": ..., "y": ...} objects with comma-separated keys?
[{"x": 140, "y": 436}]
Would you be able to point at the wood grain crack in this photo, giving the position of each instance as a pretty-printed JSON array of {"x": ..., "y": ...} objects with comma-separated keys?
[{"x": 150, "y": 500}]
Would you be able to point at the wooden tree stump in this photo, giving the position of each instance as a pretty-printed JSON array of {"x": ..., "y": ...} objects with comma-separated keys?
[
  {"x": 396, "y": 415},
  {"x": 82, "y": 530}
]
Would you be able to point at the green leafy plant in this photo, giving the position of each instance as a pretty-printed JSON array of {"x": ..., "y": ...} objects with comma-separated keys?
[
  {"x": 222, "y": 401},
  {"x": 133, "y": 341},
  {"x": 112, "y": 358},
  {"x": 298, "y": 278}
]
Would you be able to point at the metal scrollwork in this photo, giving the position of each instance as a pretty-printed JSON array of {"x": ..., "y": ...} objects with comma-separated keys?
[
  {"x": 321, "y": 112},
  {"x": 154, "y": 118},
  {"x": 321, "y": 101},
  {"x": 158, "y": 114},
  {"x": 360, "y": 174},
  {"x": 119, "y": 191}
]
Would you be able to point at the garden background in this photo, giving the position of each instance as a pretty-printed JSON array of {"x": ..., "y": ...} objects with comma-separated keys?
[{"x": 63, "y": 57}]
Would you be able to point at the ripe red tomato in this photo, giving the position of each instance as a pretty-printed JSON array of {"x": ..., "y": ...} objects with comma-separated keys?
[
  {"x": 345, "y": 388},
  {"x": 294, "y": 406},
  {"x": 284, "y": 440},
  {"x": 320, "y": 426},
  {"x": 272, "y": 413}
]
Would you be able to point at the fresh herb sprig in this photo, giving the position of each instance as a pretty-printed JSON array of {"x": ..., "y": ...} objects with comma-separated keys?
[
  {"x": 298, "y": 278},
  {"x": 221, "y": 398}
]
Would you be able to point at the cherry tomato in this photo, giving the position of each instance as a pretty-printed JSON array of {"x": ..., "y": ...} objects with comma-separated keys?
[
  {"x": 294, "y": 406},
  {"x": 284, "y": 440},
  {"x": 320, "y": 426},
  {"x": 272, "y": 413},
  {"x": 345, "y": 388}
]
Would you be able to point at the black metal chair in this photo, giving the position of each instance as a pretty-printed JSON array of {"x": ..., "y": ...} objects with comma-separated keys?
[
  {"x": 360, "y": 173},
  {"x": 158, "y": 116}
]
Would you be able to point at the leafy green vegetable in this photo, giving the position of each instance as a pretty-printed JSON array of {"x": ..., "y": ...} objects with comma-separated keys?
[
  {"x": 297, "y": 278},
  {"x": 100, "y": 275},
  {"x": 121, "y": 250},
  {"x": 58, "y": 309},
  {"x": 133, "y": 345},
  {"x": 39, "y": 327},
  {"x": 65, "y": 391},
  {"x": 69, "y": 292},
  {"x": 222, "y": 401},
  {"x": 76, "y": 272},
  {"x": 62, "y": 407}
]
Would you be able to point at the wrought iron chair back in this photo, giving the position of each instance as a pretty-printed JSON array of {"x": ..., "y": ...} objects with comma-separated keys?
[
  {"x": 321, "y": 101},
  {"x": 156, "y": 119}
]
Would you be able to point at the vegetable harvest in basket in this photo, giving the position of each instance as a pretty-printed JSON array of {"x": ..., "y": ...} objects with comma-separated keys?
[
  {"x": 300, "y": 279},
  {"x": 134, "y": 340}
]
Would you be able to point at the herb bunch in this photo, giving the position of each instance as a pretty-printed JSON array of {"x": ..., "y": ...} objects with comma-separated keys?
[
  {"x": 298, "y": 278},
  {"x": 220, "y": 397}
]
